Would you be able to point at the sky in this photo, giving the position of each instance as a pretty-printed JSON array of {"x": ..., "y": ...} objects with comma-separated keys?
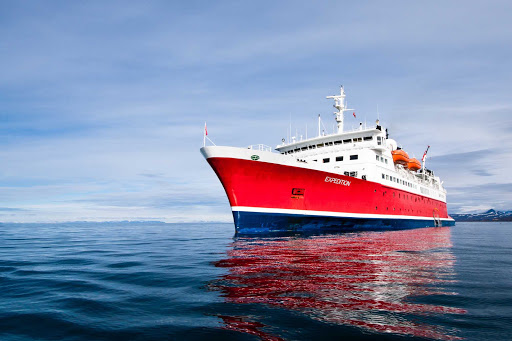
[{"x": 103, "y": 103}]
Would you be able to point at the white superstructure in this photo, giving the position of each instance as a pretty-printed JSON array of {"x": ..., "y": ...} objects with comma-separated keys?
[{"x": 364, "y": 153}]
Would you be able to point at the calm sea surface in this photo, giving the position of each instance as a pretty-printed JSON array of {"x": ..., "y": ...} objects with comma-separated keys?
[{"x": 151, "y": 281}]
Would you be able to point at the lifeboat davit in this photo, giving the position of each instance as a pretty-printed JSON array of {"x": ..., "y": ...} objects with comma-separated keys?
[
  {"x": 414, "y": 164},
  {"x": 400, "y": 157}
]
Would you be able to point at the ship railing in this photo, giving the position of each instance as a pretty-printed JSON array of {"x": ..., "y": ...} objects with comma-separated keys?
[{"x": 260, "y": 147}]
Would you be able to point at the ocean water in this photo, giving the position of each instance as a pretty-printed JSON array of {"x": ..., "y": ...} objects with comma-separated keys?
[{"x": 153, "y": 281}]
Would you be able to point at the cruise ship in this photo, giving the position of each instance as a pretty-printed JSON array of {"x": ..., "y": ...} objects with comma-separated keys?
[{"x": 348, "y": 180}]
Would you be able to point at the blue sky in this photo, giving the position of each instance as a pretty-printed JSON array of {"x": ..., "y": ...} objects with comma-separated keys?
[{"x": 102, "y": 103}]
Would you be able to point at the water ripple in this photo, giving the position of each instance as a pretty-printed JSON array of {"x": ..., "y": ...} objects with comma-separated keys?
[{"x": 127, "y": 281}]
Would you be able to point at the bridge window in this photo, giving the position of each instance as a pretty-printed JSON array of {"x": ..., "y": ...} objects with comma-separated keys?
[
  {"x": 327, "y": 160},
  {"x": 354, "y": 157},
  {"x": 352, "y": 174},
  {"x": 347, "y": 141},
  {"x": 339, "y": 158},
  {"x": 368, "y": 138}
]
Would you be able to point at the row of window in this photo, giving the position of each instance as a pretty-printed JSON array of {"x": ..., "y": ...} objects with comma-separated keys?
[
  {"x": 409, "y": 210},
  {"x": 340, "y": 158},
  {"x": 424, "y": 191},
  {"x": 398, "y": 181},
  {"x": 413, "y": 197},
  {"x": 381, "y": 159},
  {"x": 326, "y": 144}
]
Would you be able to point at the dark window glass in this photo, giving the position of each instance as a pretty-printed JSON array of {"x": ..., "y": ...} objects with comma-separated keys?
[
  {"x": 327, "y": 160},
  {"x": 339, "y": 158},
  {"x": 354, "y": 157}
]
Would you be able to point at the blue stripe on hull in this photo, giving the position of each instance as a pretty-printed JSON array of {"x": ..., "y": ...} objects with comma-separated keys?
[{"x": 255, "y": 222}]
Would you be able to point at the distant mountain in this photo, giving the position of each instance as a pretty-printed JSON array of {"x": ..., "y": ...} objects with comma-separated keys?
[{"x": 490, "y": 215}]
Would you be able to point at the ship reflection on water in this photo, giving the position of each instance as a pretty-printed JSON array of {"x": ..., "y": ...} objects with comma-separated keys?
[{"x": 365, "y": 280}]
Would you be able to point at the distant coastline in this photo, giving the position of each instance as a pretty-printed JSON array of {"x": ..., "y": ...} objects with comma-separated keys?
[{"x": 489, "y": 216}]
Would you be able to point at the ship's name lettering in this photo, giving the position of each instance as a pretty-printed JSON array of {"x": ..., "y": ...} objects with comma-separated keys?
[{"x": 337, "y": 181}]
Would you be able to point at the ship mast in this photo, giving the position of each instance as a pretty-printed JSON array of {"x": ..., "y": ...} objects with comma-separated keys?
[{"x": 340, "y": 104}]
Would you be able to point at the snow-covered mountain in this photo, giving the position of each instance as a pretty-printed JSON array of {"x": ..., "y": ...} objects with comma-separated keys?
[{"x": 490, "y": 215}]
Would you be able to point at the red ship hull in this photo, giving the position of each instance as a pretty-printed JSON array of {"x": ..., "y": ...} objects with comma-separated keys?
[{"x": 267, "y": 196}]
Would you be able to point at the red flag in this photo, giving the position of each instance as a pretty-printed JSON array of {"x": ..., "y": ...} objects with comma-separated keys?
[
  {"x": 205, "y": 130},
  {"x": 354, "y": 114}
]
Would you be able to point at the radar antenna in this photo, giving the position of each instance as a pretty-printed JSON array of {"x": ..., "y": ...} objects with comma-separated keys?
[{"x": 340, "y": 104}]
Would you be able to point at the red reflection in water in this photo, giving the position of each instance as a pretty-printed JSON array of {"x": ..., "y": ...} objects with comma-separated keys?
[
  {"x": 366, "y": 279},
  {"x": 241, "y": 324}
]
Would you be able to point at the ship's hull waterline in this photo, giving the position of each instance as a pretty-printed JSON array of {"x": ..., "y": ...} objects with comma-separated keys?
[{"x": 264, "y": 222}]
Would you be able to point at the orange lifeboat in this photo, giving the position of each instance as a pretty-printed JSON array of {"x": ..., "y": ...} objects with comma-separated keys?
[
  {"x": 414, "y": 164},
  {"x": 400, "y": 157}
]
